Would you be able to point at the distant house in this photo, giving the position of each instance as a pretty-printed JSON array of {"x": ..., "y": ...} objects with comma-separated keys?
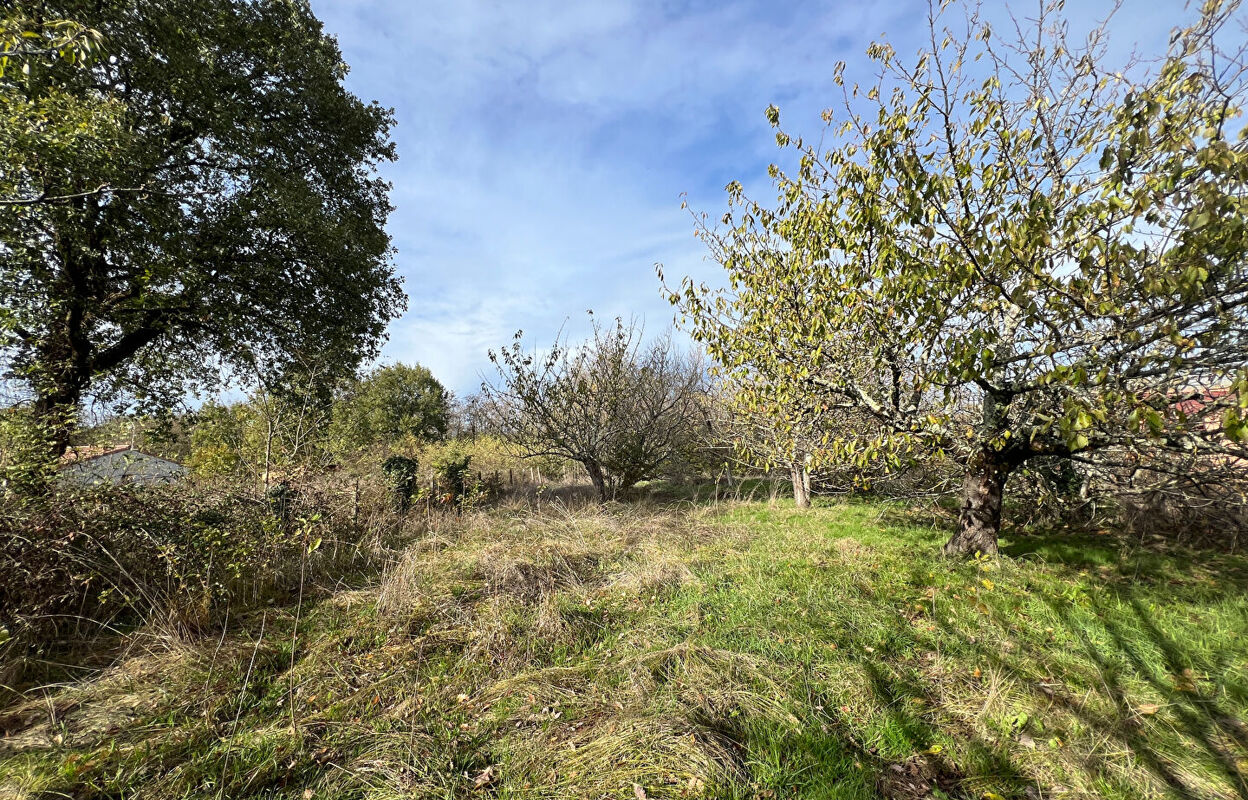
[
  {"x": 91, "y": 465},
  {"x": 1203, "y": 408}
]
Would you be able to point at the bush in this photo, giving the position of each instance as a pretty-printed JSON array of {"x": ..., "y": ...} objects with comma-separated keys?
[
  {"x": 177, "y": 556},
  {"x": 491, "y": 455},
  {"x": 25, "y": 447},
  {"x": 454, "y": 479},
  {"x": 402, "y": 474}
]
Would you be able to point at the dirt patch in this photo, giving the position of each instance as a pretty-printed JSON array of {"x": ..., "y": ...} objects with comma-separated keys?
[{"x": 918, "y": 778}]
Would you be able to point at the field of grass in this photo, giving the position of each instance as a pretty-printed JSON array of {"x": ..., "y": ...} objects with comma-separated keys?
[{"x": 742, "y": 650}]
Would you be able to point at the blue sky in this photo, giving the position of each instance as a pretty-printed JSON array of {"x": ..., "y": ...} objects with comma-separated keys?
[{"x": 544, "y": 146}]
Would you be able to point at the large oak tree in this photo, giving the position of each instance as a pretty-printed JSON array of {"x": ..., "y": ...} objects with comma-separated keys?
[
  {"x": 1006, "y": 249},
  {"x": 204, "y": 195}
]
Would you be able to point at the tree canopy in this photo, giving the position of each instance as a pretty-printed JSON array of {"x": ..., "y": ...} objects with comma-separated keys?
[
  {"x": 392, "y": 403},
  {"x": 621, "y": 408},
  {"x": 202, "y": 197},
  {"x": 1004, "y": 249}
]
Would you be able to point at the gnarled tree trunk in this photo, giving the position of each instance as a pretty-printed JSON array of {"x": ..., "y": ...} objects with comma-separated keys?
[
  {"x": 597, "y": 478},
  {"x": 979, "y": 519}
]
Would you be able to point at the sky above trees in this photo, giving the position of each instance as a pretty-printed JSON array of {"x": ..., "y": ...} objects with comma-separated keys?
[{"x": 544, "y": 146}]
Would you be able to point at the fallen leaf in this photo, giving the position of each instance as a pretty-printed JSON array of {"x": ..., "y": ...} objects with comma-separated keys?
[
  {"x": 1185, "y": 682},
  {"x": 485, "y": 778},
  {"x": 640, "y": 792}
]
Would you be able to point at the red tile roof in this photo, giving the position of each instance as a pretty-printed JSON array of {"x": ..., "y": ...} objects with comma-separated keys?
[
  {"x": 79, "y": 453},
  {"x": 1193, "y": 406}
]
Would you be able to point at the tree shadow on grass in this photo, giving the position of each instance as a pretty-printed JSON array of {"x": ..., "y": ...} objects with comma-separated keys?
[
  {"x": 893, "y": 752},
  {"x": 1147, "y": 667},
  {"x": 1122, "y": 661}
]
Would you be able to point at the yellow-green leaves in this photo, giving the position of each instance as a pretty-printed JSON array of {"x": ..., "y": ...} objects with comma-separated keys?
[
  {"x": 973, "y": 267},
  {"x": 29, "y": 43}
]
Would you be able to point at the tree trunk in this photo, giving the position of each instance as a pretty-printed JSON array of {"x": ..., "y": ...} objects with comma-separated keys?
[
  {"x": 597, "y": 477},
  {"x": 56, "y": 411},
  {"x": 801, "y": 485},
  {"x": 979, "y": 520},
  {"x": 64, "y": 367}
]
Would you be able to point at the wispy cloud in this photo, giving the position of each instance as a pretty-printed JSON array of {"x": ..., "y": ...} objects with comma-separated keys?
[{"x": 544, "y": 146}]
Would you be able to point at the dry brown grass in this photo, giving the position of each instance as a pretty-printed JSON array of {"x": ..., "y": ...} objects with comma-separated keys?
[{"x": 579, "y": 653}]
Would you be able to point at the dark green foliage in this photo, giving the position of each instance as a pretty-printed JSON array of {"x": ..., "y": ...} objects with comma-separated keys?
[
  {"x": 389, "y": 404},
  {"x": 401, "y": 474},
  {"x": 455, "y": 480},
  {"x": 229, "y": 210}
]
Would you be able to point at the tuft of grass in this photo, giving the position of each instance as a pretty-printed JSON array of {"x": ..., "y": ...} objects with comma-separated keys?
[{"x": 737, "y": 650}]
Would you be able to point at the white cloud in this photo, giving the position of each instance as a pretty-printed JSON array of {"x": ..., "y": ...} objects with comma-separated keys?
[{"x": 544, "y": 145}]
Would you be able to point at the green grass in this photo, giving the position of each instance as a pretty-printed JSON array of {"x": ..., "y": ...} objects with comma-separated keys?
[{"x": 735, "y": 651}]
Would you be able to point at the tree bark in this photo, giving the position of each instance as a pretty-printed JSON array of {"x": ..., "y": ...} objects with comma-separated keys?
[
  {"x": 979, "y": 520},
  {"x": 801, "y": 485},
  {"x": 597, "y": 477}
]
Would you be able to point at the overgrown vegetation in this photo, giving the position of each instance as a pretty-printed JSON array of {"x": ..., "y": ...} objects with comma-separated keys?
[
  {"x": 746, "y": 650},
  {"x": 1013, "y": 268},
  {"x": 81, "y": 562}
]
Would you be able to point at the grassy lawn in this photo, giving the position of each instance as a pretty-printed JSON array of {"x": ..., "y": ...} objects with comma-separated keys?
[{"x": 736, "y": 651}]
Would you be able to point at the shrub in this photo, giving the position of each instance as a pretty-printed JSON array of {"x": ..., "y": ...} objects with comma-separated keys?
[
  {"x": 401, "y": 473},
  {"x": 26, "y": 464},
  {"x": 621, "y": 409},
  {"x": 178, "y": 556},
  {"x": 454, "y": 479}
]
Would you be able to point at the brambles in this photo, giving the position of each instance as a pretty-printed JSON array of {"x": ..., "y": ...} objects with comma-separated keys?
[
  {"x": 126, "y": 553},
  {"x": 401, "y": 474}
]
